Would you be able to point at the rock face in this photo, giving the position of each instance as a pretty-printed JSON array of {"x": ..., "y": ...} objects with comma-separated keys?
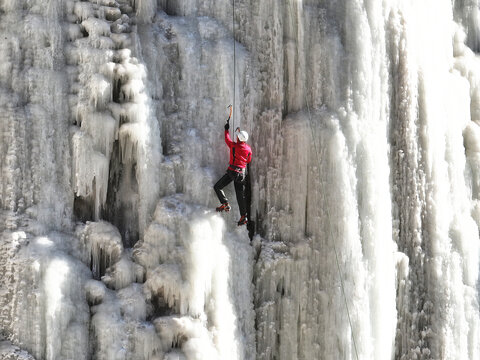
[{"x": 363, "y": 193}]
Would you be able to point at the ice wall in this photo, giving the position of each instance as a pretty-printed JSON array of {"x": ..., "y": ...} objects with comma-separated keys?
[
  {"x": 89, "y": 184},
  {"x": 363, "y": 120}
]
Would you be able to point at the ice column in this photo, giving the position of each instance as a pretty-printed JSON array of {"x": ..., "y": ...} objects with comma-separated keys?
[
  {"x": 201, "y": 296},
  {"x": 116, "y": 145}
]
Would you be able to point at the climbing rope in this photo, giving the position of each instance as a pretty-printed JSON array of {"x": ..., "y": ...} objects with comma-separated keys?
[
  {"x": 342, "y": 285},
  {"x": 234, "y": 68}
]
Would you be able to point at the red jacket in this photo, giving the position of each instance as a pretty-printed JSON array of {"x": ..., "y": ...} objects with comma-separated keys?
[{"x": 240, "y": 154}]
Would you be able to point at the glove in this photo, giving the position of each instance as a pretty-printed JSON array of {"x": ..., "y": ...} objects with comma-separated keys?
[{"x": 227, "y": 126}]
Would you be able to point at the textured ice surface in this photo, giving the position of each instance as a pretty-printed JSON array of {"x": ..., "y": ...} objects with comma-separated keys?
[{"x": 11, "y": 352}]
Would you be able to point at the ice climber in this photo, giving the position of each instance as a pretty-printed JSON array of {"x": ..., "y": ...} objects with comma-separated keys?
[{"x": 240, "y": 156}]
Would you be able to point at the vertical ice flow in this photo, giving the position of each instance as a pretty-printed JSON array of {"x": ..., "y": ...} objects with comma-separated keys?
[{"x": 364, "y": 120}]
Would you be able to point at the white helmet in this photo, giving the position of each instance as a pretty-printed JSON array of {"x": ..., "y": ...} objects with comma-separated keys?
[{"x": 242, "y": 135}]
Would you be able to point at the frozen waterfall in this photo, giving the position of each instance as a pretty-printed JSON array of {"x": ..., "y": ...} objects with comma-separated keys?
[{"x": 364, "y": 191}]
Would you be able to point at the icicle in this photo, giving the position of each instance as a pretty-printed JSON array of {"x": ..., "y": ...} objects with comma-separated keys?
[
  {"x": 74, "y": 32},
  {"x": 123, "y": 273},
  {"x": 108, "y": 70},
  {"x": 103, "y": 129},
  {"x": 187, "y": 333},
  {"x": 95, "y": 291},
  {"x": 90, "y": 170},
  {"x": 83, "y": 10},
  {"x": 132, "y": 89},
  {"x": 129, "y": 136},
  {"x": 166, "y": 282},
  {"x": 96, "y": 27},
  {"x": 102, "y": 246},
  {"x": 100, "y": 91}
]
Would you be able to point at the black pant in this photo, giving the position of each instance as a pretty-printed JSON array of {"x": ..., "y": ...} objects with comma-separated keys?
[{"x": 239, "y": 182}]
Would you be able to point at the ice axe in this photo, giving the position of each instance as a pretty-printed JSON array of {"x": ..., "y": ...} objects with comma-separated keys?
[{"x": 231, "y": 110}]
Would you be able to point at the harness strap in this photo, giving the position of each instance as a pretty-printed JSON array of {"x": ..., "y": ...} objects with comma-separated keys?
[{"x": 236, "y": 168}]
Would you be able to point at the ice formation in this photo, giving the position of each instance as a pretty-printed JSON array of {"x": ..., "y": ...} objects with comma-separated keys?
[
  {"x": 364, "y": 191},
  {"x": 10, "y": 352}
]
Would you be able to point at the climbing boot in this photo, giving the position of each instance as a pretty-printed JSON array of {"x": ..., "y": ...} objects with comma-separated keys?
[
  {"x": 224, "y": 207},
  {"x": 243, "y": 220}
]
